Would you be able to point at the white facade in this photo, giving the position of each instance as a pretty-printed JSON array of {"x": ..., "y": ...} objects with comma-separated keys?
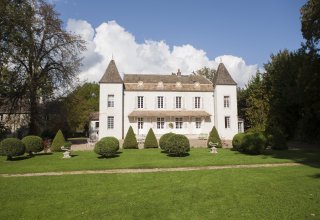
[{"x": 188, "y": 107}]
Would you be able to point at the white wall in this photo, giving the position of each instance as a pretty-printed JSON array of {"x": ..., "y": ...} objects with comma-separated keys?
[
  {"x": 222, "y": 112},
  {"x": 115, "y": 89},
  {"x": 150, "y": 103},
  {"x": 93, "y": 130}
]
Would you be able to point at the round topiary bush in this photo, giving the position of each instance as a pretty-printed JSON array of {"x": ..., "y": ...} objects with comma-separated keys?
[
  {"x": 214, "y": 138},
  {"x": 107, "y": 146},
  {"x": 130, "y": 141},
  {"x": 253, "y": 143},
  {"x": 12, "y": 147},
  {"x": 151, "y": 140},
  {"x": 178, "y": 145},
  {"x": 33, "y": 144},
  {"x": 163, "y": 141},
  {"x": 237, "y": 141},
  {"x": 58, "y": 142}
]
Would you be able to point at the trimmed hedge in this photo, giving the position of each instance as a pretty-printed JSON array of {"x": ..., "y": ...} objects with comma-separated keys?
[
  {"x": 58, "y": 142},
  {"x": 163, "y": 141},
  {"x": 178, "y": 145},
  {"x": 253, "y": 143},
  {"x": 107, "y": 146},
  {"x": 130, "y": 141},
  {"x": 12, "y": 147},
  {"x": 237, "y": 141},
  {"x": 33, "y": 144},
  {"x": 214, "y": 138},
  {"x": 151, "y": 140}
]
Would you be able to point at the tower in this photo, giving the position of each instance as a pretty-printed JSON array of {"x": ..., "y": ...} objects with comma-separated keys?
[
  {"x": 225, "y": 103},
  {"x": 111, "y": 103}
]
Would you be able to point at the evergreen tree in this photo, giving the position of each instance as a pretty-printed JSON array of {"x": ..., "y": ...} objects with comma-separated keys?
[
  {"x": 58, "y": 142},
  {"x": 214, "y": 138},
  {"x": 151, "y": 140},
  {"x": 130, "y": 141}
]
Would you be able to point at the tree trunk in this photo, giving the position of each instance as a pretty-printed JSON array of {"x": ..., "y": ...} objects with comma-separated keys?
[{"x": 33, "y": 128}]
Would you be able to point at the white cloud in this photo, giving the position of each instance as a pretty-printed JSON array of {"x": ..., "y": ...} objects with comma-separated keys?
[{"x": 153, "y": 57}]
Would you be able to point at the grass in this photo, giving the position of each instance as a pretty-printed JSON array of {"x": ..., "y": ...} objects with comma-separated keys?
[
  {"x": 149, "y": 158},
  {"x": 260, "y": 193}
]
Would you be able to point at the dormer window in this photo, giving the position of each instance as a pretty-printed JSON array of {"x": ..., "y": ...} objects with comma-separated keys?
[
  {"x": 160, "y": 84},
  {"x": 140, "y": 84},
  {"x": 196, "y": 84},
  {"x": 178, "y": 84}
]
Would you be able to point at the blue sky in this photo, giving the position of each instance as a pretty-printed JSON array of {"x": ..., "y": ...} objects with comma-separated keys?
[{"x": 249, "y": 29}]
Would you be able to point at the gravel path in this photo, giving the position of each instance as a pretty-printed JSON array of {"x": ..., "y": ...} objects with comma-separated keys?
[{"x": 151, "y": 170}]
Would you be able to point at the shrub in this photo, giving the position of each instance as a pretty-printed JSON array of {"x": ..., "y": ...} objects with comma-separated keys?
[
  {"x": 130, "y": 141},
  {"x": 58, "y": 142},
  {"x": 277, "y": 140},
  {"x": 214, "y": 138},
  {"x": 237, "y": 141},
  {"x": 178, "y": 145},
  {"x": 151, "y": 140},
  {"x": 33, "y": 144},
  {"x": 253, "y": 143},
  {"x": 163, "y": 140},
  {"x": 12, "y": 147},
  {"x": 107, "y": 146}
]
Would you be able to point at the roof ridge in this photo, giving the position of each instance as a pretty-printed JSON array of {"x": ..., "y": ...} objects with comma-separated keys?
[{"x": 223, "y": 77}]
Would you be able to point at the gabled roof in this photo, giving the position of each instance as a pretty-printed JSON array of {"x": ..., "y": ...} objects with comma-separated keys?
[
  {"x": 111, "y": 75},
  {"x": 223, "y": 77}
]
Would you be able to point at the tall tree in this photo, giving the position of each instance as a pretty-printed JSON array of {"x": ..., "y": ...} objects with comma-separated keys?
[
  {"x": 310, "y": 24},
  {"x": 80, "y": 103},
  {"x": 206, "y": 72},
  {"x": 38, "y": 55}
]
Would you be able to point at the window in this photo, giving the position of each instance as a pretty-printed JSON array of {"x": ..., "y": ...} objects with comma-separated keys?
[
  {"x": 179, "y": 123},
  {"x": 97, "y": 124},
  {"x": 110, "y": 100},
  {"x": 198, "y": 122},
  {"x": 140, "y": 123},
  {"x": 227, "y": 122},
  {"x": 178, "y": 102},
  {"x": 160, "y": 123},
  {"x": 226, "y": 101},
  {"x": 140, "y": 101},
  {"x": 240, "y": 127},
  {"x": 160, "y": 101},
  {"x": 196, "y": 102},
  {"x": 110, "y": 122}
]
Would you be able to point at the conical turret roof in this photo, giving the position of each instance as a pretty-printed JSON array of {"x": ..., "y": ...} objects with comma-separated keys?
[
  {"x": 111, "y": 75},
  {"x": 223, "y": 77}
]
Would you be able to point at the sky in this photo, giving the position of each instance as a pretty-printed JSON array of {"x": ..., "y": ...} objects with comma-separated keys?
[{"x": 160, "y": 37}]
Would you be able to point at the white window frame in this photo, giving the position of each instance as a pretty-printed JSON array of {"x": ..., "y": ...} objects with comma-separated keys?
[
  {"x": 160, "y": 123},
  {"x": 110, "y": 122},
  {"x": 160, "y": 102},
  {"x": 140, "y": 123},
  {"x": 197, "y": 102},
  {"x": 226, "y": 101},
  {"x": 110, "y": 101},
  {"x": 240, "y": 127},
  {"x": 179, "y": 123},
  {"x": 198, "y": 122},
  {"x": 178, "y": 101},
  {"x": 227, "y": 122},
  {"x": 140, "y": 102}
]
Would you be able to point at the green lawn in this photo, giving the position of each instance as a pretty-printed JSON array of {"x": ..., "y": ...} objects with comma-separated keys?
[
  {"x": 259, "y": 193},
  {"x": 150, "y": 158}
]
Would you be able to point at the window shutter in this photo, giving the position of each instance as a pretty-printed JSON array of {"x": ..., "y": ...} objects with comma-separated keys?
[
  {"x": 164, "y": 102},
  {"x": 144, "y": 102},
  {"x": 174, "y": 102},
  {"x": 136, "y": 102},
  {"x": 202, "y": 102},
  {"x": 183, "y": 103},
  {"x": 193, "y": 98},
  {"x": 155, "y": 103}
]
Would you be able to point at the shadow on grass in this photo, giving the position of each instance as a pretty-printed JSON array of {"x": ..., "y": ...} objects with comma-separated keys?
[
  {"x": 109, "y": 157},
  {"x": 316, "y": 176},
  {"x": 309, "y": 157},
  {"x": 178, "y": 155},
  {"x": 73, "y": 155},
  {"x": 20, "y": 158},
  {"x": 42, "y": 154}
]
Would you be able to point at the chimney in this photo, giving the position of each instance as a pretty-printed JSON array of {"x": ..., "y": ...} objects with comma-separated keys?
[{"x": 178, "y": 73}]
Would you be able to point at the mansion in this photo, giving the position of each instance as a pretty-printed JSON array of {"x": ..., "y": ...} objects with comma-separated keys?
[{"x": 183, "y": 104}]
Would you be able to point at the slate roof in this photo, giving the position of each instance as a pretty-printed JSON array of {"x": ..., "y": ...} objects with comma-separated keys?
[
  {"x": 152, "y": 78},
  {"x": 111, "y": 75},
  {"x": 223, "y": 77}
]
